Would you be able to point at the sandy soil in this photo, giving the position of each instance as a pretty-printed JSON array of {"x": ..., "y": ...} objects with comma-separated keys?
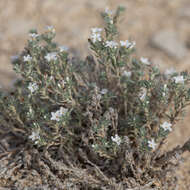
[{"x": 73, "y": 20}]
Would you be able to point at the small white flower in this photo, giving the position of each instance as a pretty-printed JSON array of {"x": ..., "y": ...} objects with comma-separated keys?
[
  {"x": 55, "y": 116},
  {"x": 96, "y": 37},
  {"x": 127, "y": 73},
  {"x": 152, "y": 144},
  {"x": 35, "y": 136},
  {"x": 63, "y": 111},
  {"x": 116, "y": 139},
  {"x": 96, "y": 30},
  {"x": 179, "y": 79},
  {"x": 104, "y": 91},
  {"x": 33, "y": 35},
  {"x": 127, "y": 44},
  {"x": 50, "y": 28},
  {"x": 145, "y": 61},
  {"x": 108, "y": 11},
  {"x": 27, "y": 58},
  {"x": 58, "y": 114},
  {"x": 142, "y": 94},
  {"x": 170, "y": 71},
  {"x": 166, "y": 126},
  {"x": 63, "y": 48},
  {"x": 33, "y": 87},
  {"x": 51, "y": 56},
  {"x": 96, "y": 34},
  {"x": 111, "y": 44}
]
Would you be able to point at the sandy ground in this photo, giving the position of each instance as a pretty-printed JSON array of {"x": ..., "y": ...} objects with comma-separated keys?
[{"x": 73, "y": 19}]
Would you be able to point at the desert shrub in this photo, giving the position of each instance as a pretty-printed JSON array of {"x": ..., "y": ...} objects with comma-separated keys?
[{"x": 98, "y": 123}]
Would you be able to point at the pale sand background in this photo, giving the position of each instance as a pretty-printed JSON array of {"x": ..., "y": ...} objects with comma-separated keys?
[{"x": 73, "y": 19}]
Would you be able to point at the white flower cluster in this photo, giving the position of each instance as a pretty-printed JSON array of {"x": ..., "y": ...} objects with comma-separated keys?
[
  {"x": 128, "y": 44},
  {"x": 96, "y": 34},
  {"x": 111, "y": 44},
  {"x": 145, "y": 61},
  {"x": 51, "y": 56},
  {"x": 167, "y": 127},
  {"x": 33, "y": 87},
  {"x": 58, "y": 114},
  {"x": 179, "y": 79},
  {"x": 116, "y": 139},
  {"x": 27, "y": 58},
  {"x": 35, "y": 136}
]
